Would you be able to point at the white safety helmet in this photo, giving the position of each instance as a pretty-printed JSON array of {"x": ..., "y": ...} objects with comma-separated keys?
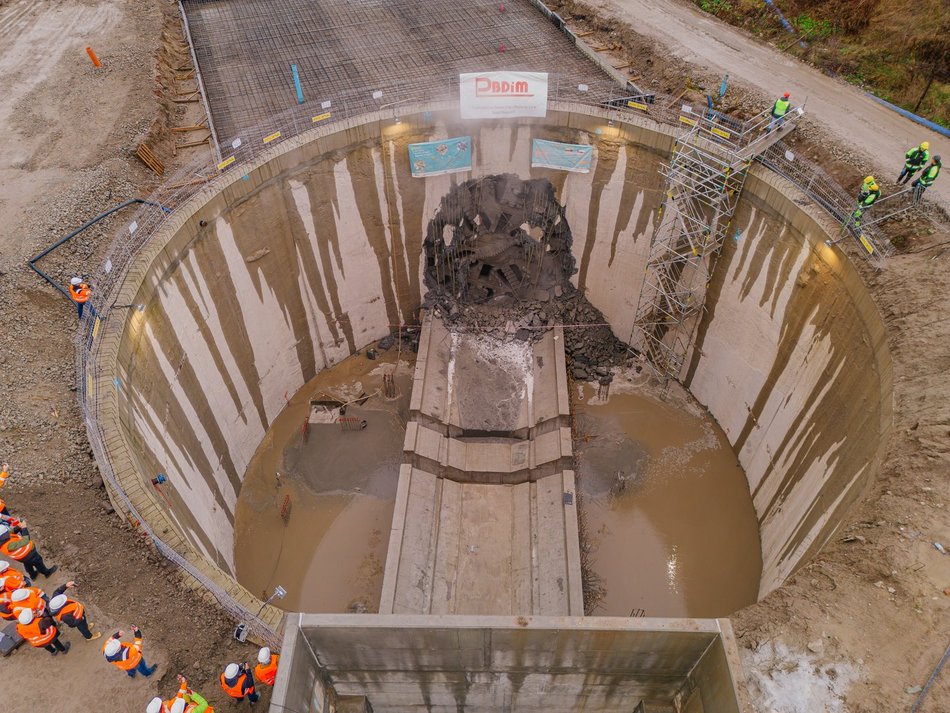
[
  {"x": 154, "y": 705},
  {"x": 57, "y": 603},
  {"x": 112, "y": 647},
  {"x": 231, "y": 671},
  {"x": 4, "y": 530},
  {"x": 76, "y": 281},
  {"x": 19, "y": 595},
  {"x": 25, "y": 616},
  {"x": 178, "y": 706},
  {"x": 263, "y": 656},
  {"x": 4, "y": 566}
]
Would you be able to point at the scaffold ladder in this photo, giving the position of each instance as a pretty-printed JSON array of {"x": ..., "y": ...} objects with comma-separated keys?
[{"x": 703, "y": 182}]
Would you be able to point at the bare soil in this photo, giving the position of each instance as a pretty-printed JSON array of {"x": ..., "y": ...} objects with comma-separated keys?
[
  {"x": 874, "y": 600},
  {"x": 67, "y": 136}
]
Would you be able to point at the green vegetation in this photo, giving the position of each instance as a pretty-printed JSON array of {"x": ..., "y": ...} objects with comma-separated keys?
[
  {"x": 896, "y": 49},
  {"x": 715, "y": 7},
  {"x": 813, "y": 29}
]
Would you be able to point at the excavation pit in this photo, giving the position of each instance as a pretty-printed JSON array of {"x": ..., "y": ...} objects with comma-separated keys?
[{"x": 790, "y": 357}]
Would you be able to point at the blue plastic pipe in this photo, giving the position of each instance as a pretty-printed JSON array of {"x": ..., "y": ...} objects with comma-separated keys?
[
  {"x": 297, "y": 86},
  {"x": 785, "y": 23},
  {"x": 942, "y": 130}
]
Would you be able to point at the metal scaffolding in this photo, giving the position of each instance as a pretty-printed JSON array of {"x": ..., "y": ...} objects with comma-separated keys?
[{"x": 703, "y": 182}]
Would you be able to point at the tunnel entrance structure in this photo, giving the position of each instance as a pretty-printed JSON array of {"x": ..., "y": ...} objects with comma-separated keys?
[{"x": 283, "y": 268}]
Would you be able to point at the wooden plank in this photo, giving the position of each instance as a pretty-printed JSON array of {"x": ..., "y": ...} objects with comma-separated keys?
[
  {"x": 195, "y": 127},
  {"x": 192, "y": 144}
]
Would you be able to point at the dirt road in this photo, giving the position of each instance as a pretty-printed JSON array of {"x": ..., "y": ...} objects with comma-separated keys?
[{"x": 845, "y": 111}]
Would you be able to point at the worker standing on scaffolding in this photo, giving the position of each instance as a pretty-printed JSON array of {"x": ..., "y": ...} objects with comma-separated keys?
[
  {"x": 914, "y": 160},
  {"x": 926, "y": 179},
  {"x": 869, "y": 194},
  {"x": 779, "y": 110}
]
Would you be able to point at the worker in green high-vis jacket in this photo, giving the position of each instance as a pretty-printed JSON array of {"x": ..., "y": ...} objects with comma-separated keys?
[
  {"x": 926, "y": 179},
  {"x": 779, "y": 110},
  {"x": 868, "y": 196},
  {"x": 914, "y": 160}
]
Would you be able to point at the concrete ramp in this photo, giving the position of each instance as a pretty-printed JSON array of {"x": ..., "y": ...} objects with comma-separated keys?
[
  {"x": 485, "y": 519},
  {"x": 467, "y": 548}
]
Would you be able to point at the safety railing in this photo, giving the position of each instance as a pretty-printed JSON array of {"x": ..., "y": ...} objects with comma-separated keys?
[{"x": 619, "y": 102}]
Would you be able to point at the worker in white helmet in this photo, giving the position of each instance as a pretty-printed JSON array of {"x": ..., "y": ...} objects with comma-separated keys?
[
  {"x": 40, "y": 631},
  {"x": 15, "y": 543},
  {"x": 11, "y": 579},
  {"x": 71, "y": 613},
  {"x": 238, "y": 683},
  {"x": 185, "y": 701},
  {"x": 127, "y": 657},
  {"x": 266, "y": 669}
]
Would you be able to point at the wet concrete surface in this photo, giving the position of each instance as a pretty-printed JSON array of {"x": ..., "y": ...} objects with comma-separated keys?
[
  {"x": 329, "y": 551},
  {"x": 669, "y": 522}
]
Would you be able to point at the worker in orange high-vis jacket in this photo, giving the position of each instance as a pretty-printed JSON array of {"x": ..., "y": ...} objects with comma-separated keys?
[
  {"x": 16, "y": 544},
  {"x": 32, "y": 598},
  {"x": 266, "y": 669},
  {"x": 11, "y": 579},
  {"x": 71, "y": 613},
  {"x": 80, "y": 292},
  {"x": 40, "y": 631},
  {"x": 4, "y": 474},
  {"x": 6, "y": 607},
  {"x": 127, "y": 657},
  {"x": 238, "y": 683},
  {"x": 185, "y": 701}
]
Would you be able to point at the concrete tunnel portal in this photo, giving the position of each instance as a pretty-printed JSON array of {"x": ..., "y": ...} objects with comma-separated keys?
[{"x": 258, "y": 289}]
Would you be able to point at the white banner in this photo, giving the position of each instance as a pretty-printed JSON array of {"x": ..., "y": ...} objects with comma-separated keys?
[{"x": 501, "y": 95}]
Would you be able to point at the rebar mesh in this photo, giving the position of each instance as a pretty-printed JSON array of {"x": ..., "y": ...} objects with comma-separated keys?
[{"x": 245, "y": 48}]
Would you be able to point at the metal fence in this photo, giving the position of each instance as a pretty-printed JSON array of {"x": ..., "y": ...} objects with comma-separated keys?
[{"x": 387, "y": 102}]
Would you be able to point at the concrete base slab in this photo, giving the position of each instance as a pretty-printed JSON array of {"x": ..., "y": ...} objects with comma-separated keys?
[{"x": 466, "y": 548}]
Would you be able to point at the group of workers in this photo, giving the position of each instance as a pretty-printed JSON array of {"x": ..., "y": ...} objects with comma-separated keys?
[
  {"x": 41, "y": 619},
  {"x": 237, "y": 681},
  {"x": 915, "y": 159}
]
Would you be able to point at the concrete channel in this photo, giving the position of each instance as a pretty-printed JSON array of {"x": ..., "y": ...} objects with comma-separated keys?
[{"x": 495, "y": 532}]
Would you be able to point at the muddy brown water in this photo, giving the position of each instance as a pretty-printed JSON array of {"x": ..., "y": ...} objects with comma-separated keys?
[
  {"x": 329, "y": 553},
  {"x": 668, "y": 517}
]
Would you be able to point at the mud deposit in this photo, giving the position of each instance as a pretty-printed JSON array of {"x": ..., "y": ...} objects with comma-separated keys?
[
  {"x": 670, "y": 527},
  {"x": 329, "y": 550}
]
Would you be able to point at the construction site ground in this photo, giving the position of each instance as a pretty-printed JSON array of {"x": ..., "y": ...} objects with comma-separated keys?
[{"x": 870, "y": 610}]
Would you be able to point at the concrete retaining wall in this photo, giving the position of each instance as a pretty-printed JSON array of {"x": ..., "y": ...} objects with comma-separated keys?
[
  {"x": 313, "y": 253},
  {"x": 452, "y": 663}
]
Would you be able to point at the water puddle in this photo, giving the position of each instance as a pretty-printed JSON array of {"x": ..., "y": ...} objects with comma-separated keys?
[
  {"x": 670, "y": 526},
  {"x": 321, "y": 528}
]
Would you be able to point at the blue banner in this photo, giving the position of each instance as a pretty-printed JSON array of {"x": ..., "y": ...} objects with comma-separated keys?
[
  {"x": 565, "y": 157},
  {"x": 433, "y": 158}
]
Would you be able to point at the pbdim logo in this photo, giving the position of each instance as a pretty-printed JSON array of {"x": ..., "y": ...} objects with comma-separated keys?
[{"x": 485, "y": 87}]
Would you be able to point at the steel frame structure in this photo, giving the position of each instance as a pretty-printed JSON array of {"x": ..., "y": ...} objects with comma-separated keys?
[{"x": 703, "y": 182}]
